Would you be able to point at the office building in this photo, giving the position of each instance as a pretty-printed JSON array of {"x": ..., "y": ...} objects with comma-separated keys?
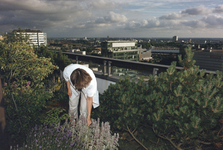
[
  {"x": 36, "y": 37},
  {"x": 209, "y": 59},
  {"x": 126, "y": 50}
]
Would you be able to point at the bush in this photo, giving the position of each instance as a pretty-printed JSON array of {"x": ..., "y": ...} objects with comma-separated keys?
[
  {"x": 25, "y": 97},
  {"x": 183, "y": 107}
]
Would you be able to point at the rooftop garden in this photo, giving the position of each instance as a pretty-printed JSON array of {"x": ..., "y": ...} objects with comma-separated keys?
[{"x": 174, "y": 110}]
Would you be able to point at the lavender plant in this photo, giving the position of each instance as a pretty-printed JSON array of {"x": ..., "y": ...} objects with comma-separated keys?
[
  {"x": 75, "y": 135},
  {"x": 50, "y": 138},
  {"x": 95, "y": 137}
]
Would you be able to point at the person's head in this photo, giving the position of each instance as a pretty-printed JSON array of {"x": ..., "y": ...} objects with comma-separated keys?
[{"x": 80, "y": 78}]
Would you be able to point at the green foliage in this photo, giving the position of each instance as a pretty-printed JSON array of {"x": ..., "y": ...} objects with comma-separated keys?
[
  {"x": 15, "y": 36},
  {"x": 183, "y": 107},
  {"x": 56, "y": 57},
  {"x": 55, "y": 116},
  {"x": 123, "y": 103},
  {"x": 23, "y": 73},
  {"x": 188, "y": 61}
]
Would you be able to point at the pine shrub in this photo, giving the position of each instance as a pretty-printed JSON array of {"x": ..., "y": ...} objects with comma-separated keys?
[{"x": 182, "y": 107}]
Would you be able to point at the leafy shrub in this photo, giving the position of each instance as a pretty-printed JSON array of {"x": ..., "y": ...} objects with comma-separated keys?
[
  {"x": 24, "y": 103},
  {"x": 54, "y": 116},
  {"x": 183, "y": 107}
]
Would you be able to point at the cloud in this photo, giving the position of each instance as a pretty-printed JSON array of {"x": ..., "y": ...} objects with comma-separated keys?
[
  {"x": 192, "y": 24},
  {"x": 111, "y": 18},
  {"x": 171, "y": 16},
  {"x": 52, "y": 13},
  {"x": 213, "y": 21},
  {"x": 83, "y": 17},
  {"x": 200, "y": 10},
  {"x": 102, "y": 4},
  {"x": 218, "y": 9}
]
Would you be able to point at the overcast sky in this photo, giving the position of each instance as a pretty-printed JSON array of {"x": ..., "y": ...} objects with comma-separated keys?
[{"x": 115, "y": 18}]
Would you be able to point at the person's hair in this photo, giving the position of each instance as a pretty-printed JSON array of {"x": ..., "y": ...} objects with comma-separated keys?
[{"x": 80, "y": 78}]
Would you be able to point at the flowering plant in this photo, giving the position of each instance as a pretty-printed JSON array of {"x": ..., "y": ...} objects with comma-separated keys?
[{"x": 75, "y": 135}]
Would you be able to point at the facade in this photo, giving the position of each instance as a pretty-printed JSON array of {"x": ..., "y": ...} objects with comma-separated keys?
[
  {"x": 209, "y": 60},
  {"x": 174, "y": 50},
  {"x": 36, "y": 37},
  {"x": 175, "y": 38},
  {"x": 126, "y": 50}
]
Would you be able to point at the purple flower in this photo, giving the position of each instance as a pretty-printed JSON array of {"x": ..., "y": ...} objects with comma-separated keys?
[
  {"x": 72, "y": 144},
  {"x": 65, "y": 146},
  {"x": 43, "y": 133},
  {"x": 66, "y": 141},
  {"x": 58, "y": 145},
  {"x": 39, "y": 146},
  {"x": 35, "y": 135},
  {"x": 25, "y": 146},
  {"x": 36, "y": 141},
  {"x": 10, "y": 147}
]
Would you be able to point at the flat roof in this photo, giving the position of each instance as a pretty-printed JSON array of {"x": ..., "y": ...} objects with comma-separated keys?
[
  {"x": 27, "y": 30},
  {"x": 119, "y": 41}
]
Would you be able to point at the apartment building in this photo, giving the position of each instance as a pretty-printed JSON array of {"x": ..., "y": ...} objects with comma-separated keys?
[{"x": 36, "y": 37}]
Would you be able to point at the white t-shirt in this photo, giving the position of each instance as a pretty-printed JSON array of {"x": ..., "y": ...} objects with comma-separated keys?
[{"x": 90, "y": 90}]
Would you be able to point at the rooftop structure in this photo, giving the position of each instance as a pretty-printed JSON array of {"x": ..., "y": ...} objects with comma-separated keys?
[{"x": 164, "y": 50}]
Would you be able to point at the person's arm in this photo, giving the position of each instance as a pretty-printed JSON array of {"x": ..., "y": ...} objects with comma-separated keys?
[
  {"x": 89, "y": 107},
  {"x": 69, "y": 92}
]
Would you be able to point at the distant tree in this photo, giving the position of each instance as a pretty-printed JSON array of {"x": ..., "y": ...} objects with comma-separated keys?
[
  {"x": 16, "y": 36},
  {"x": 57, "y": 57}
]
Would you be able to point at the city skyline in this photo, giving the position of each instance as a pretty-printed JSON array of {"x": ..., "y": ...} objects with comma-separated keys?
[{"x": 115, "y": 18}]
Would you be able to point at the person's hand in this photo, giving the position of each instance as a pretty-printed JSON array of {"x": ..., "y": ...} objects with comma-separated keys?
[
  {"x": 89, "y": 122},
  {"x": 69, "y": 92}
]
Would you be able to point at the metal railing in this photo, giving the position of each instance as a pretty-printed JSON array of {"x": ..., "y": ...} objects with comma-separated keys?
[{"x": 108, "y": 64}]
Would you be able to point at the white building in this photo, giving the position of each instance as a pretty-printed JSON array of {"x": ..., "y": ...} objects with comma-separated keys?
[{"x": 36, "y": 37}]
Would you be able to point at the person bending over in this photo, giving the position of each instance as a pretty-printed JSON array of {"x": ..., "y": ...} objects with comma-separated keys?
[{"x": 82, "y": 90}]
